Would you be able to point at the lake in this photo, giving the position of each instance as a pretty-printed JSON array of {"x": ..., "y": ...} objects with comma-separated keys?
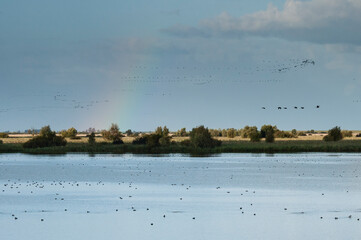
[{"x": 226, "y": 196}]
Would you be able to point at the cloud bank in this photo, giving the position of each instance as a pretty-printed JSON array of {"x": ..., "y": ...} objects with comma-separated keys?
[{"x": 318, "y": 21}]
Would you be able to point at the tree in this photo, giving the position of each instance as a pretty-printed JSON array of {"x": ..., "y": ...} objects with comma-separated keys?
[
  {"x": 201, "y": 138},
  {"x": 182, "y": 132},
  {"x": 46, "y": 132},
  {"x": 91, "y": 138},
  {"x": 113, "y": 134},
  {"x": 267, "y": 132},
  {"x": 129, "y": 132},
  {"x": 46, "y": 138},
  {"x": 165, "y": 131},
  {"x": 159, "y": 131},
  {"x": 294, "y": 132},
  {"x": 334, "y": 134},
  {"x": 254, "y": 134},
  {"x": 70, "y": 133},
  {"x": 231, "y": 133}
]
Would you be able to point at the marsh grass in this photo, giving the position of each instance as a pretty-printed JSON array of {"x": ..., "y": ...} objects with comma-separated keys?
[{"x": 292, "y": 146}]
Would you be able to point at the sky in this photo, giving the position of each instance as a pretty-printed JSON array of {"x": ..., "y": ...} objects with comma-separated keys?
[{"x": 142, "y": 64}]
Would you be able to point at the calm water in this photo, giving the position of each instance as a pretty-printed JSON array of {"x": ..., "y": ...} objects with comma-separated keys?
[{"x": 229, "y": 196}]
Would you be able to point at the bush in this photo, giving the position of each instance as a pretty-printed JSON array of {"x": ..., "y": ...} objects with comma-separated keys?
[
  {"x": 152, "y": 140},
  {"x": 186, "y": 143},
  {"x": 267, "y": 131},
  {"x": 346, "y": 133},
  {"x": 200, "y": 137},
  {"x": 334, "y": 134},
  {"x": 113, "y": 134},
  {"x": 254, "y": 135},
  {"x": 140, "y": 141},
  {"x": 164, "y": 141},
  {"x": 231, "y": 133},
  {"x": 70, "y": 133},
  {"x": 245, "y": 132},
  {"x": 294, "y": 132},
  {"x": 91, "y": 138},
  {"x": 4, "y": 135},
  {"x": 1, "y": 141},
  {"x": 284, "y": 134},
  {"x": 182, "y": 132},
  {"x": 301, "y": 134},
  {"x": 46, "y": 138}
]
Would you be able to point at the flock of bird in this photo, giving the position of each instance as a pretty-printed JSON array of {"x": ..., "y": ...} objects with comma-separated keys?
[
  {"x": 215, "y": 74},
  {"x": 295, "y": 107},
  {"x": 127, "y": 193}
]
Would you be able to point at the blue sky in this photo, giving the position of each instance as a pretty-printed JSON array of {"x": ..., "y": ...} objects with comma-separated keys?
[{"x": 180, "y": 64}]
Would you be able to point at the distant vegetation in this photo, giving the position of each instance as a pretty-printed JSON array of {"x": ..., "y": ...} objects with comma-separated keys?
[
  {"x": 113, "y": 134},
  {"x": 200, "y": 137},
  {"x": 159, "y": 138},
  {"x": 70, "y": 133},
  {"x": 198, "y": 140},
  {"x": 334, "y": 134},
  {"x": 91, "y": 138},
  {"x": 4, "y": 135},
  {"x": 46, "y": 138}
]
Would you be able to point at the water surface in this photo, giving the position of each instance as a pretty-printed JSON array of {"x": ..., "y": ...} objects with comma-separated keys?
[{"x": 228, "y": 196}]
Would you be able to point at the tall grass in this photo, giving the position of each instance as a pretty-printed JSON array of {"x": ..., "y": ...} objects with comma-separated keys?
[{"x": 231, "y": 147}]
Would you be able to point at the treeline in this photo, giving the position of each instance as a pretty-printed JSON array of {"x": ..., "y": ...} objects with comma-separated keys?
[{"x": 199, "y": 137}]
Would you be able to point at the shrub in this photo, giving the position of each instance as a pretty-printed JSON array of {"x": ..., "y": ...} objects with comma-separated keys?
[
  {"x": 70, "y": 133},
  {"x": 164, "y": 141},
  {"x": 46, "y": 138},
  {"x": 231, "y": 133},
  {"x": 247, "y": 130},
  {"x": 4, "y": 135},
  {"x": 1, "y": 141},
  {"x": 284, "y": 134},
  {"x": 152, "y": 140},
  {"x": 302, "y": 134},
  {"x": 186, "y": 143},
  {"x": 294, "y": 132},
  {"x": 140, "y": 141},
  {"x": 182, "y": 132},
  {"x": 254, "y": 135},
  {"x": 113, "y": 134},
  {"x": 267, "y": 131},
  {"x": 334, "y": 134},
  {"x": 91, "y": 138},
  {"x": 346, "y": 133},
  {"x": 200, "y": 137}
]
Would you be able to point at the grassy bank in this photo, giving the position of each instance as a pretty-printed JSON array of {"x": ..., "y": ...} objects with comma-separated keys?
[{"x": 292, "y": 146}]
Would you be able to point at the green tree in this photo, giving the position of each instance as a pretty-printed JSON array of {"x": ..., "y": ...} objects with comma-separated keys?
[
  {"x": 201, "y": 138},
  {"x": 91, "y": 138},
  {"x": 165, "y": 131},
  {"x": 46, "y": 138},
  {"x": 113, "y": 134},
  {"x": 129, "y": 132},
  {"x": 46, "y": 132},
  {"x": 231, "y": 133},
  {"x": 70, "y": 133},
  {"x": 267, "y": 131},
  {"x": 334, "y": 134},
  {"x": 182, "y": 132},
  {"x": 294, "y": 132},
  {"x": 254, "y": 134},
  {"x": 159, "y": 131}
]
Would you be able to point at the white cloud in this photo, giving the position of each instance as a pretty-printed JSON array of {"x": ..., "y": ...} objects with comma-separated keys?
[{"x": 320, "y": 21}]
